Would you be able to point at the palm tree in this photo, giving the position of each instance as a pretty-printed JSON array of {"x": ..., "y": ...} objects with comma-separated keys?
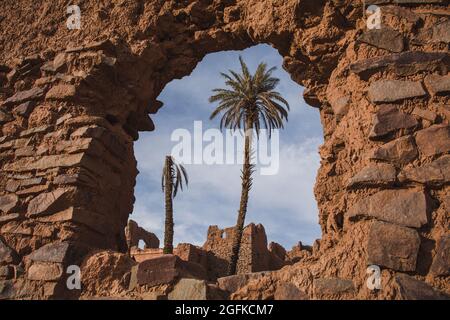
[
  {"x": 250, "y": 103},
  {"x": 172, "y": 179}
]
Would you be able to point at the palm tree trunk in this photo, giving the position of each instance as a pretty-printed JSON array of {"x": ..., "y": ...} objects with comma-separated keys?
[
  {"x": 246, "y": 185},
  {"x": 169, "y": 225}
]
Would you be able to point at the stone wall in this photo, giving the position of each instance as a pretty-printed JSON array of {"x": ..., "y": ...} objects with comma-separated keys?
[
  {"x": 134, "y": 233},
  {"x": 254, "y": 255},
  {"x": 73, "y": 101}
]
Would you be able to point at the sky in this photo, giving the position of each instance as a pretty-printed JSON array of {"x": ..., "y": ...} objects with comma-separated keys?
[{"x": 284, "y": 202}]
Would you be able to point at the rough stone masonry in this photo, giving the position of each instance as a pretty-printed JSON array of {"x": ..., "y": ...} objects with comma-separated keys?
[{"x": 72, "y": 102}]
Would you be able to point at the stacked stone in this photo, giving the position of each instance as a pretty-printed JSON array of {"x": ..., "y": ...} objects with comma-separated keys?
[
  {"x": 67, "y": 172},
  {"x": 68, "y": 120},
  {"x": 400, "y": 185}
]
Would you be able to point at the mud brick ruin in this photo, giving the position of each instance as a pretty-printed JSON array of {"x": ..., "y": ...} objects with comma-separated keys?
[{"x": 72, "y": 103}]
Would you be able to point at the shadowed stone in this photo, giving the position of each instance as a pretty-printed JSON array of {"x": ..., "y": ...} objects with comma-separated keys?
[
  {"x": 189, "y": 289},
  {"x": 289, "y": 291},
  {"x": 434, "y": 140},
  {"x": 385, "y": 38},
  {"x": 438, "y": 85},
  {"x": 441, "y": 261},
  {"x": 233, "y": 283},
  {"x": 407, "y": 63},
  {"x": 61, "y": 92},
  {"x": 8, "y": 202},
  {"x": 88, "y": 218},
  {"x": 393, "y": 246},
  {"x": 9, "y": 217},
  {"x": 434, "y": 174},
  {"x": 389, "y": 119},
  {"x": 48, "y": 203},
  {"x": 399, "y": 151},
  {"x": 24, "y": 109},
  {"x": 53, "y": 252},
  {"x": 402, "y": 207},
  {"x": 386, "y": 91},
  {"x": 45, "y": 271},
  {"x": 5, "y": 117},
  {"x": 23, "y": 96},
  {"x": 425, "y": 114},
  {"x": 6, "y": 272},
  {"x": 410, "y": 288},
  {"x": 7, "y": 255},
  {"x": 7, "y": 289},
  {"x": 373, "y": 175},
  {"x": 45, "y": 162},
  {"x": 438, "y": 33},
  {"x": 326, "y": 287},
  {"x": 164, "y": 270}
]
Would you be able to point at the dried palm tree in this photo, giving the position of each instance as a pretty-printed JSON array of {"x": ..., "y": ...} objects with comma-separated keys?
[
  {"x": 172, "y": 179},
  {"x": 250, "y": 103}
]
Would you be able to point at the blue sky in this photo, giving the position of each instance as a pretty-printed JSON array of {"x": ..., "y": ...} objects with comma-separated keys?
[{"x": 283, "y": 203}]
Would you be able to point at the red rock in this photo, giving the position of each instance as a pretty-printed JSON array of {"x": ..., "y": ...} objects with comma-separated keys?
[
  {"x": 438, "y": 85},
  {"x": 45, "y": 162},
  {"x": 189, "y": 289},
  {"x": 434, "y": 140},
  {"x": 6, "y": 272},
  {"x": 134, "y": 234},
  {"x": 106, "y": 273},
  {"x": 386, "y": 91},
  {"x": 61, "y": 92},
  {"x": 425, "y": 114},
  {"x": 9, "y": 217},
  {"x": 399, "y": 151},
  {"x": 278, "y": 250},
  {"x": 332, "y": 287},
  {"x": 23, "y": 96},
  {"x": 389, "y": 119},
  {"x": 402, "y": 207},
  {"x": 288, "y": 291},
  {"x": 233, "y": 283},
  {"x": 5, "y": 117},
  {"x": 7, "y": 255},
  {"x": 406, "y": 63},
  {"x": 393, "y": 246},
  {"x": 375, "y": 174},
  {"x": 441, "y": 260},
  {"x": 435, "y": 173},
  {"x": 166, "y": 269},
  {"x": 45, "y": 271},
  {"x": 24, "y": 109},
  {"x": 53, "y": 252},
  {"x": 385, "y": 38},
  {"x": 8, "y": 202},
  {"x": 48, "y": 203},
  {"x": 410, "y": 288}
]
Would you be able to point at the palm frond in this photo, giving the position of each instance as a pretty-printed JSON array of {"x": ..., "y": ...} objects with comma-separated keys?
[
  {"x": 178, "y": 175},
  {"x": 250, "y": 100}
]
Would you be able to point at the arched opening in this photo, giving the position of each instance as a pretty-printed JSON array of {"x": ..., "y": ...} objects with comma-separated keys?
[{"x": 284, "y": 202}]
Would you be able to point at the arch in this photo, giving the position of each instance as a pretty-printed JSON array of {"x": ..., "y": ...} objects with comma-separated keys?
[{"x": 75, "y": 101}]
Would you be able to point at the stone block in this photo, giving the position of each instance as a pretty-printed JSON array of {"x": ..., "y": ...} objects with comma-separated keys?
[
  {"x": 388, "y": 91},
  {"x": 393, "y": 246},
  {"x": 374, "y": 174},
  {"x": 434, "y": 140},
  {"x": 402, "y": 207},
  {"x": 389, "y": 119}
]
